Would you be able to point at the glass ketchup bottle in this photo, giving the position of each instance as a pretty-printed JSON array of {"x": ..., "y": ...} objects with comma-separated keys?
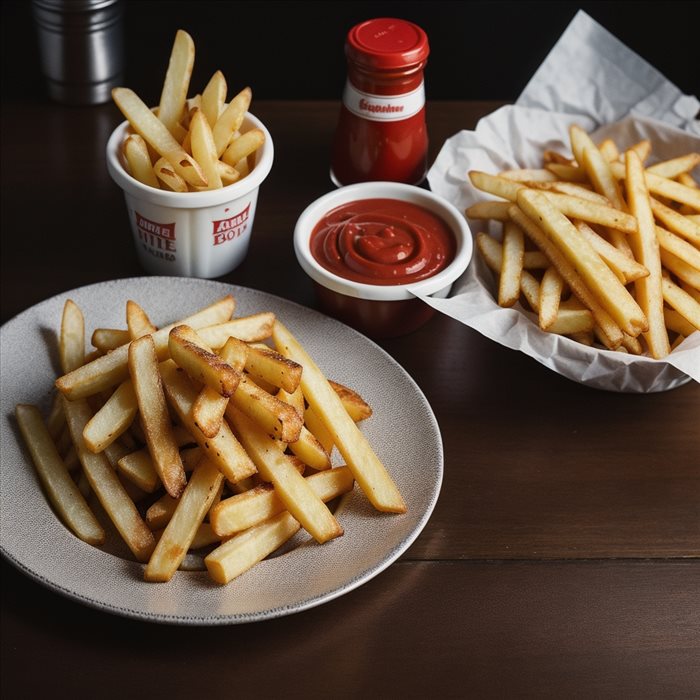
[{"x": 381, "y": 132}]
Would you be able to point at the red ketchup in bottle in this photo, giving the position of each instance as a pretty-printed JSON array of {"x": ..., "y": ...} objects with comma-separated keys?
[{"x": 381, "y": 132}]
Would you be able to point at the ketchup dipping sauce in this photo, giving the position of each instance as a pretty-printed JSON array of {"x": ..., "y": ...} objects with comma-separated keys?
[{"x": 371, "y": 248}]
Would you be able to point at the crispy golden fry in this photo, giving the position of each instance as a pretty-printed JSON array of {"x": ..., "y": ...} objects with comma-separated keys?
[
  {"x": 223, "y": 449},
  {"x": 111, "y": 369},
  {"x": 106, "y": 339},
  {"x": 214, "y": 97},
  {"x": 272, "y": 367},
  {"x": 664, "y": 187},
  {"x": 137, "y": 321},
  {"x": 60, "y": 488},
  {"x": 681, "y": 301},
  {"x": 528, "y": 175},
  {"x": 488, "y": 209},
  {"x": 156, "y": 134},
  {"x": 250, "y": 329},
  {"x": 167, "y": 175},
  {"x": 318, "y": 429},
  {"x": 177, "y": 80},
  {"x": 573, "y": 279},
  {"x": 596, "y": 275},
  {"x": 191, "y": 353},
  {"x": 357, "y": 408},
  {"x": 674, "y": 167},
  {"x": 677, "y": 323},
  {"x": 572, "y": 188},
  {"x": 244, "y": 510},
  {"x": 567, "y": 171},
  {"x": 368, "y": 470},
  {"x": 204, "y": 149},
  {"x": 243, "y": 551},
  {"x": 243, "y": 146},
  {"x": 678, "y": 247},
  {"x": 139, "y": 160},
  {"x": 608, "y": 149},
  {"x": 291, "y": 487},
  {"x": 106, "y": 485},
  {"x": 113, "y": 419},
  {"x": 686, "y": 273},
  {"x": 278, "y": 419},
  {"x": 551, "y": 289},
  {"x": 676, "y": 222},
  {"x": 188, "y": 516},
  {"x": 512, "y": 255},
  {"x": 626, "y": 268},
  {"x": 71, "y": 342},
  {"x": 230, "y": 120},
  {"x": 155, "y": 419},
  {"x": 646, "y": 250}
]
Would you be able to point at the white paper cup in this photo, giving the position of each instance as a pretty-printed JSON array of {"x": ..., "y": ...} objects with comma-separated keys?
[{"x": 191, "y": 234}]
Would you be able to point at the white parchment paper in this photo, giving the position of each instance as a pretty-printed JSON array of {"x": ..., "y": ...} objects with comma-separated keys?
[{"x": 591, "y": 79}]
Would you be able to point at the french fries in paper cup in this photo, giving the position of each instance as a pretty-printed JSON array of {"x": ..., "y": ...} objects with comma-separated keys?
[{"x": 596, "y": 175}]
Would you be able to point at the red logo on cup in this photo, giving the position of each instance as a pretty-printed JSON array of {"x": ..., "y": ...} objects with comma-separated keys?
[
  {"x": 228, "y": 229},
  {"x": 155, "y": 236}
]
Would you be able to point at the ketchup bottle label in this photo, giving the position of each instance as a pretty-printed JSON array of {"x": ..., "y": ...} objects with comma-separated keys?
[{"x": 383, "y": 108}]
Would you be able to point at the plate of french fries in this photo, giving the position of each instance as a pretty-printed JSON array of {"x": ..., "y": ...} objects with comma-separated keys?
[
  {"x": 185, "y": 451},
  {"x": 588, "y": 249}
]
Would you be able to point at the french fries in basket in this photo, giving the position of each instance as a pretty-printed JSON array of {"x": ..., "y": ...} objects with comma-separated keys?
[
  {"x": 180, "y": 149},
  {"x": 621, "y": 242},
  {"x": 127, "y": 429}
]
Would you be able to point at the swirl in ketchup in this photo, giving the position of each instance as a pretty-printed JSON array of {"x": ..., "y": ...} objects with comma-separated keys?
[{"x": 382, "y": 241}]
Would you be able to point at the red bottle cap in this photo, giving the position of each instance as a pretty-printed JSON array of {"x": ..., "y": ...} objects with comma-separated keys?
[{"x": 387, "y": 43}]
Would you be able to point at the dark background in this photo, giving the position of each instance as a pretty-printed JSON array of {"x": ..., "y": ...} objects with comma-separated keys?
[{"x": 294, "y": 50}]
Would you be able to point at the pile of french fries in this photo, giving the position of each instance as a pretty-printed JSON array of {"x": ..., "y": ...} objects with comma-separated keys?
[
  {"x": 212, "y": 432},
  {"x": 598, "y": 246},
  {"x": 188, "y": 144}
]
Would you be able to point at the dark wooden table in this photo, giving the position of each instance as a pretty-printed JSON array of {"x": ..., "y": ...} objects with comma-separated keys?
[{"x": 560, "y": 561}]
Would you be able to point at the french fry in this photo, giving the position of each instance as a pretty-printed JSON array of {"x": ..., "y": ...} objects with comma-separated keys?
[
  {"x": 112, "y": 419},
  {"x": 676, "y": 222},
  {"x": 680, "y": 268},
  {"x": 223, "y": 449},
  {"x": 155, "y": 419},
  {"x": 107, "y": 487},
  {"x": 528, "y": 175},
  {"x": 674, "y": 167},
  {"x": 192, "y": 354},
  {"x": 573, "y": 279},
  {"x": 242, "y": 552},
  {"x": 357, "y": 408},
  {"x": 291, "y": 487},
  {"x": 646, "y": 250},
  {"x": 230, "y": 120},
  {"x": 110, "y": 369},
  {"x": 488, "y": 209},
  {"x": 596, "y": 275},
  {"x": 243, "y": 146},
  {"x": 214, "y": 97},
  {"x": 250, "y": 329},
  {"x": 244, "y": 510},
  {"x": 678, "y": 246},
  {"x": 157, "y": 135},
  {"x": 182, "y": 526},
  {"x": 681, "y": 301},
  {"x": 137, "y": 321},
  {"x": 204, "y": 149},
  {"x": 60, "y": 488},
  {"x": 550, "y": 297},
  {"x": 513, "y": 253},
  {"x": 276, "y": 418},
  {"x": 71, "y": 342},
  {"x": 166, "y": 174},
  {"x": 177, "y": 80},
  {"x": 139, "y": 160},
  {"x": 272, "y": 367},
  {"x": 626, "y": 268},
  {"x": 106, "y": 339},
  {"x": 369, "y": 472}
]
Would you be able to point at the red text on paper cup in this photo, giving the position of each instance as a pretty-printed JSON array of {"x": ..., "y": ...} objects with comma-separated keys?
[
  {"x": 157, "y": 239},
  {"x": 228, "y": 229}
]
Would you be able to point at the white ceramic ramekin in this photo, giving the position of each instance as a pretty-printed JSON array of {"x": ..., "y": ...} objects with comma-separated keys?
[
  {"x": 381, "y": 310},
  {"x": 191, "y": 234}
]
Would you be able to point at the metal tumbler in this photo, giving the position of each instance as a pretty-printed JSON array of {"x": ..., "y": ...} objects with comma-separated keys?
[{"x": 81, "y": 47}]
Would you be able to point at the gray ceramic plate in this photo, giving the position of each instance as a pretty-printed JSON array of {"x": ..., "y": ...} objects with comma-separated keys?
[{"x": 403, "y": 431}]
